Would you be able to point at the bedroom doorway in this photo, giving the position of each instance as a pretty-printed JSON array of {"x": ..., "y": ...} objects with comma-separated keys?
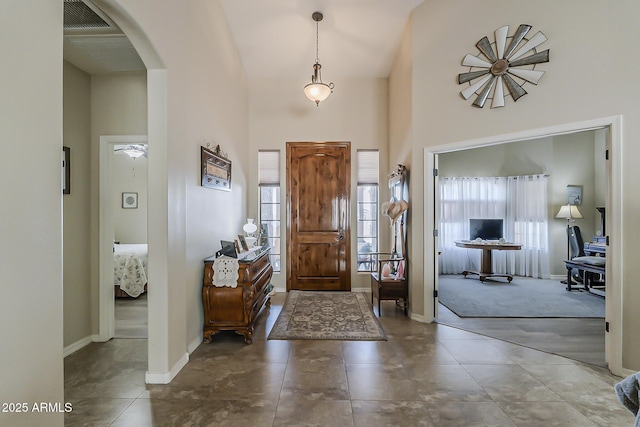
[
  {"x": 123, "y": 237},
  {"x": 129, "y": 195},
  {"x": 609, "y": 179}
]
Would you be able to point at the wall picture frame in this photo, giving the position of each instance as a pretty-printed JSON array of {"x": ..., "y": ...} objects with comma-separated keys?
[
  {"x": 129, "y": 200},
  {"x": 574, "y": 195},
  {"x": 215, "y": 169}
]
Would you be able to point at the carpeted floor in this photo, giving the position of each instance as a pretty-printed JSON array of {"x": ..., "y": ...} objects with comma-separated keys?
[
  {"x": 327, "y": 316},
  {"x": 523, "y": 297}
]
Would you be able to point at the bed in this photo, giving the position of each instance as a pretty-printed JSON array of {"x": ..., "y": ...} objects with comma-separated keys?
[{"x": 130, "y": 269}]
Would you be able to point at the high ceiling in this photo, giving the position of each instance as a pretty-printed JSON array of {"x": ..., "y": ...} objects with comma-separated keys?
[
  {"x": 357, "y": 38},
  {"x": 275, "y": 38}
]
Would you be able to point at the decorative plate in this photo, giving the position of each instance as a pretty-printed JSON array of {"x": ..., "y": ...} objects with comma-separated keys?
[{"x": 499, "y": 65}]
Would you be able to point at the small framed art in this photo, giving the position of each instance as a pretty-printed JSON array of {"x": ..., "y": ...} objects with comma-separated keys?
[
  {"x": 129, "y": 200},
  {"x": 574, "y": 195},
  {"x": 243, "y": 243}
]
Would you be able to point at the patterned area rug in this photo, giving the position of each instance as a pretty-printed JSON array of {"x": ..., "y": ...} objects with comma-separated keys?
[{"x": 327, "y": 316}]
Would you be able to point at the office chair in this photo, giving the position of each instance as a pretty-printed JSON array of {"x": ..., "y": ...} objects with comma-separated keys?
[{"x": 576, "y": 247}]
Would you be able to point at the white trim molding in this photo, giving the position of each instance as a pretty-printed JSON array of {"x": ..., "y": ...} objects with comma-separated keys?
[{"x": 166, "y": 377}]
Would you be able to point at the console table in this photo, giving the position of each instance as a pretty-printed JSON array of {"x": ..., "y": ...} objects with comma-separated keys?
[
  {"x": 487, "y": 247},
  {"x": 229, "y": 308}
]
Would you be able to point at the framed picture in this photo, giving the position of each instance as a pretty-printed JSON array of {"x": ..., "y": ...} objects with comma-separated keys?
[
  {"x": 215, "y": 169},
  {"x": 243, "y": 243},
  {"x": 129, "y": 200},
  {"x": 574, "y": 195},
  {"x": 66, "y": 170}
]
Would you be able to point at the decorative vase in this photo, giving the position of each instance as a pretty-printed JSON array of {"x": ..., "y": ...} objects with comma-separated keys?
[
  {"x": 386, "y": 270},
  {"x": 249, "y": 228}
]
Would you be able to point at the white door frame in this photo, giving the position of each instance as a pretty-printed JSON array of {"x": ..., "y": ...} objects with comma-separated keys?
[
  {"x": 106, "y": 298},
  {"x": 613, "y": 302}
]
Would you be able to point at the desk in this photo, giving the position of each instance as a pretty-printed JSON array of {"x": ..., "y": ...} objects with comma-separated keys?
[{"x": 487, "y": 248}]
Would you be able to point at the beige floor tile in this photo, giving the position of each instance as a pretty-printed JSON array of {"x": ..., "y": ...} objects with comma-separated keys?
[
  {"x": 390, "y": 413},
  {"x": 380, "y": 382},
  {"x": 475, "y": 352},
  {"x": 321, "y": 413},
  {"x": 448, "y": 383},
  {"x": 468, "y": 414},
  {"x": 510, "y": 383},
  {"x": 545, "y": 414}
]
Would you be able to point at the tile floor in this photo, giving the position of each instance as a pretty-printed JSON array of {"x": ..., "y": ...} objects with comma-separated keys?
[{"x": 425, "y": 374}]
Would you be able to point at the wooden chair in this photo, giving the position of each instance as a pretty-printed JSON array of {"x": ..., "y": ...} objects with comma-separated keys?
[{"x": 389, "y": 281}]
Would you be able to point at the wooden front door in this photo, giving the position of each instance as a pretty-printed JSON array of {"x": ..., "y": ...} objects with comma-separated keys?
[{"x": 318, "y": 200}]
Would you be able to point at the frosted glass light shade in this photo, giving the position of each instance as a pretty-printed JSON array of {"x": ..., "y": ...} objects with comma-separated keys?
[{"x": 317, "y": 92}]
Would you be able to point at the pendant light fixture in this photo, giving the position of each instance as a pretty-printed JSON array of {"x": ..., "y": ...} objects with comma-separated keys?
[{"x": 316, "y": 90}]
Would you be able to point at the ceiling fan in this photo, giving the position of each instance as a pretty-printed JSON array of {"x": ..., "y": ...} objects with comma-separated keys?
[{"x": 132, "y": 150}]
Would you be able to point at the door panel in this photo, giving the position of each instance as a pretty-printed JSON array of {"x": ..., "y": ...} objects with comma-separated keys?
[{"x": 318, "y": 186}]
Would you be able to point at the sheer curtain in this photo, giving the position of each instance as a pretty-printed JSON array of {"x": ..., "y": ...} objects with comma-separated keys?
[
  {"x": 460, "y": 200},
  {"x": 521, "y": 201},
  {"x": 528, "y": 222}
]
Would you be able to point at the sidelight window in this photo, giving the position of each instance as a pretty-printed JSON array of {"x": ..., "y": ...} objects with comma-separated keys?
[
  {"x": 269, "y": 203},
  {"x": 368, "y": 172}
]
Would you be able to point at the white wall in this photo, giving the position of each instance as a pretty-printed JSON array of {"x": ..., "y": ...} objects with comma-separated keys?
[
  {"x": 31, "y": 225},
  {"x": 575, "y": 88},
  {"x": 76, "y": 214},
  {"x": 129, "y": 175},
  {"x": 202, "y": 98},
  {"x": 357, "y": 112},
  {"x": 568, "y": 159}
]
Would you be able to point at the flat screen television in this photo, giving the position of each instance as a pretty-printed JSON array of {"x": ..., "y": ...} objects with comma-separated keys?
[{"x": 486, "y": 229}]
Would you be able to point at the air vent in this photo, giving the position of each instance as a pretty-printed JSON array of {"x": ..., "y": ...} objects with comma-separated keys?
[{"x": 81, "y": 15}]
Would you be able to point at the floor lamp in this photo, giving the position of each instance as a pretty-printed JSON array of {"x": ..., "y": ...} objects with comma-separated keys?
[{"x": 568, "y": 212}]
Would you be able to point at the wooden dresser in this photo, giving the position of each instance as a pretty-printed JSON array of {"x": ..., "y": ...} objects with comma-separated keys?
[{"x": 236, "y": 309}]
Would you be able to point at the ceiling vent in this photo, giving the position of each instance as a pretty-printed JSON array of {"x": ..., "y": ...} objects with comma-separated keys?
[{"x": 83, "y": 16}]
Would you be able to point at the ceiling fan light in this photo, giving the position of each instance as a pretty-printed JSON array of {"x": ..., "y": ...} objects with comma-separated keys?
[{"x": 133, "y": 153}]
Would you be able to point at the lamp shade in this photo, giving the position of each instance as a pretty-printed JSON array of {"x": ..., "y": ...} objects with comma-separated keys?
[
  {"x": 317, "y": 92},
  {"x": 569, "y": 212}
]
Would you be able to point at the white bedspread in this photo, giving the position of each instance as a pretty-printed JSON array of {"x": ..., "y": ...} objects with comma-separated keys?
[{"x": 130, "y": 268}]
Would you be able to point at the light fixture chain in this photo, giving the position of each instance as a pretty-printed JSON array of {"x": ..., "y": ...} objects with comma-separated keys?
[{"x": 317, "y": 42}]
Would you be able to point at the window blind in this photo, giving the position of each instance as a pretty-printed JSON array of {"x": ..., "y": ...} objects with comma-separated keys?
[
  {"x": 368, "y": 166},
  {"x": 269, "y": 167}
]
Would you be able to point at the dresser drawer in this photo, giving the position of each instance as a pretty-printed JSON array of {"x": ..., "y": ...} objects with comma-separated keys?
[{"x": 249, "y": 273}]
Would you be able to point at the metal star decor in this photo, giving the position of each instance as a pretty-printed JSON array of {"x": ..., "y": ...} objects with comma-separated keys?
[{"x": 495, "y": 67}]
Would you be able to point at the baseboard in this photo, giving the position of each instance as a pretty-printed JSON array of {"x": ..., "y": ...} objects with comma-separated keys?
[
  {"x": 417, "y": 317},
  {"x": 558, "y": 277},
  {"x": 194, "y": 344},
  {"x": 72, "y": 348},
  {"x": 365, "y": 290},
  {"x": 166, "y": 377}
]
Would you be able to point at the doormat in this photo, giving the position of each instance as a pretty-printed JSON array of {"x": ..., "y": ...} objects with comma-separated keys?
[{"x": 308, "y": 315}]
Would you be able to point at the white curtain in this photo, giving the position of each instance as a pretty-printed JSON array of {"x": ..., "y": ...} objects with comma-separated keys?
[
  {"x": 527, "y": 222},
  {"x": 522, "y": 203},
  {"x": 460, "y": 200}
]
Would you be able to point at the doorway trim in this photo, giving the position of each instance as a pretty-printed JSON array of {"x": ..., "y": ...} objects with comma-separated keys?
[
  {"x": 106, "y": 328},
  {"x": 613, "y": 302}
]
